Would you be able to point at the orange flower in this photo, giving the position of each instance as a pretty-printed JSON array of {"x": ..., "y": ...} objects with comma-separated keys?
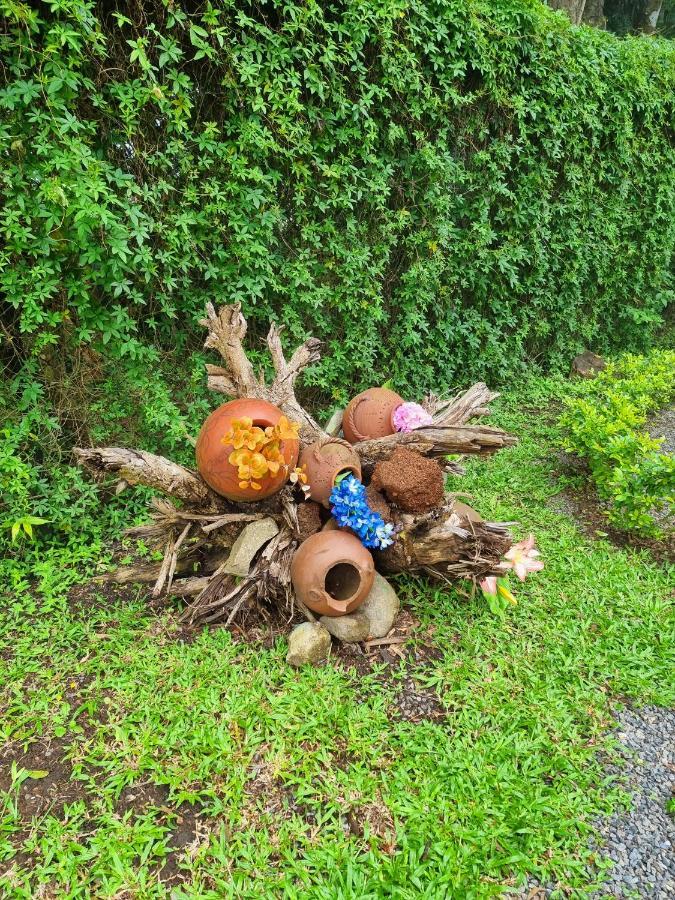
[
  {"x": 251, "y": 467},
  {"x": 299, "y": 475},
  {"x": 286, "y": 430},
  {"x": 273, "y": 455},
  {"x": 257, "y": 453},
  {"x": 243, "y": 433}
]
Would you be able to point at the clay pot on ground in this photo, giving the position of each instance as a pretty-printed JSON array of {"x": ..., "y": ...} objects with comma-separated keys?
[
  {"x": 323, "y": 461},
  {"x": 332, "y": 573},
  {"x": 212, "y": 454},
  {"x": 369, "y": 415}
]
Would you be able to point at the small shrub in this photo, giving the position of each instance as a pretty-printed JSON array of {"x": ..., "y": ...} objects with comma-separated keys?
[{"x": 605, "y": 426}]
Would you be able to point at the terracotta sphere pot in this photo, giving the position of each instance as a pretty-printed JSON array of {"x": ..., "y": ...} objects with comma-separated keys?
[
  {"x": 212, "y": 454},
  {"x": 323, "y": 461},
  {"x": 369, "y": 415},
  {"x": 332, "y": 573}
]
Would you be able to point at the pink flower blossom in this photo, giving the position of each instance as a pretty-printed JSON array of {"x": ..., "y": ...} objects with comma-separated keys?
[
  {"x": 409, "y": 416},
  {"x": 489, "y": 585},
  {"x": 522, "y": 558}
]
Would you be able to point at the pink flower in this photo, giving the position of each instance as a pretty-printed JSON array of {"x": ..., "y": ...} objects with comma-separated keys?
[
  {"x": 522, "y": 558},
  {"x": 496, "y": 587},
  {"x": 489, "y": 585},
  {"x": 409, "y": 416}
]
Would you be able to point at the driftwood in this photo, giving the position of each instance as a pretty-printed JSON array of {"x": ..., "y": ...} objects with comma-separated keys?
[{"x": 195, "y": 527}]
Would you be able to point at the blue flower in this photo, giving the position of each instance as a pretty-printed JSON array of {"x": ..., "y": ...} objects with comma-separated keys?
[{"x": 350, "y": 509}]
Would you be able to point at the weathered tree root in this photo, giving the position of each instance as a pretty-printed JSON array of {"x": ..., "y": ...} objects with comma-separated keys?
[{"x": 448, "y": 543}]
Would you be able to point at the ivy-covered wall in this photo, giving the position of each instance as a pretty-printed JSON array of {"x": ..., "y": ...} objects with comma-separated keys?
[{"x": 441, "y": 189}]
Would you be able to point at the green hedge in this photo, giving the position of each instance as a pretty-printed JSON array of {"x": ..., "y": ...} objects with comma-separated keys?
[
  {"x": 441, "y": 190},
  {"x": 605, "y": 424}
]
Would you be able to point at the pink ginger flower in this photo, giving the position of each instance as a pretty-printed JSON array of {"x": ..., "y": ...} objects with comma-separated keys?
[
  {"x": 491, "y": 586},
  {"x": 522, "y": 558},
  {"x": 409, "y": 416}
]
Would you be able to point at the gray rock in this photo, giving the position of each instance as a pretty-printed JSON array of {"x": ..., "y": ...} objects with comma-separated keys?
[
  {"x": 334, "y": 423},
  {"x": 308, "y": 643},
  {"x": 588, "y": 364},
  {"x": 351, "y": 628},
  {"x": 251, "y": 539},
  {"x": 381, "y": 606}
]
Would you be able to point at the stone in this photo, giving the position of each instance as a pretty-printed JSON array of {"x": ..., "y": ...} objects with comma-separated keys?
[
  {"x": 587, "y": 364},
  {"x": 251, "y": 539},
  {"x": 334, "y": 425},
  {"x": 351, "y": 628},
  {"x": 308, "y": 643},
  {"x": 381, "y": 606}
]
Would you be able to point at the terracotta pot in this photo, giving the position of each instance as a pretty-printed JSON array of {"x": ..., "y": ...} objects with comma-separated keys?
[
  {"x": 324, "y": 460},
  {"x": 332, "y": 573},
  {"x": 212, "y": 454},
  {"x": 369, "y": 415}
]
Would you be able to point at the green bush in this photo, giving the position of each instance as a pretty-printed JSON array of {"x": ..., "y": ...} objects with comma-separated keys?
[
  {"x": 439, "y": 189},
  {"x": 604, "y": 426}
]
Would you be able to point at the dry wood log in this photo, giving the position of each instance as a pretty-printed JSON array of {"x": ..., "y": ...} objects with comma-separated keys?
[
  {"x": 436, "y": 441},
  {"x": 471, "y": 404},
  {"x": 141, "y": 467},
  {"x": 227, "y": 330},
  {"x": 450, "y": 542}
]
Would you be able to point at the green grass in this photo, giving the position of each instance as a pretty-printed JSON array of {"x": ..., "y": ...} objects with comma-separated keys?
[{"x": 306, "y": 783}]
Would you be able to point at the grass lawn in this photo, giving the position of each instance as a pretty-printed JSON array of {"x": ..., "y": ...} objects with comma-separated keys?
[{"x": 142, "y": 762}]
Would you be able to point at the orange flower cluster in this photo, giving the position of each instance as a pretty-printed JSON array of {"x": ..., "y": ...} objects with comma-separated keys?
[{"x": 257, "y": 452}]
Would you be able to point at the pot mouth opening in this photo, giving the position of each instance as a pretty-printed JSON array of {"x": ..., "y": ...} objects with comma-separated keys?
[
  {"x": 342, "y": 581},
  {"x": 343, "y": 471}
]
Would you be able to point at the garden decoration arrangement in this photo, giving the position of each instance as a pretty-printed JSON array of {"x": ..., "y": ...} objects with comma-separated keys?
[{"x": 282, "y": 513}]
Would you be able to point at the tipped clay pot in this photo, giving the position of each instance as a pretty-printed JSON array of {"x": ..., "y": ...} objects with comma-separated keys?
[
  {"x": 323, "y": 461},
  {"x": 212, "y": 454},
  {"x": 332, "y": 573},
  {"x": 369, "y": 415}
]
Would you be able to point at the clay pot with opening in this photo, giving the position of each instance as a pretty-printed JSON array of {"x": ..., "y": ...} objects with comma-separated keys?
[
  {"x": 332, "y": 573},
  {"x": 369, "y": 415},
  {"x": 212, "y": 454},
  {"x": 323, "y": 461}
]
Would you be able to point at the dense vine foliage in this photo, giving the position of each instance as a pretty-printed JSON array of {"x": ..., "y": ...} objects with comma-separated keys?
[{"x": 440, "y": 190}]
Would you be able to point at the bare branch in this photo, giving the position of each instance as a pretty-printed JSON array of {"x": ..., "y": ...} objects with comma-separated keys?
[
  {"x": 433, "y": 441},
  {"x": 227, "y": 330},
  {"x": 471, "y": 404},
  {"x": 140, "y": 467}
]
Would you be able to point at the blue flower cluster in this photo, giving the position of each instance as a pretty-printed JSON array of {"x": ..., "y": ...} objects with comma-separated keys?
[{"x": 350, "y": 509}]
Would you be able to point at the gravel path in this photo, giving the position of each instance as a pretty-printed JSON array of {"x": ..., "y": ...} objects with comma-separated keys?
[{"x": 640, "y": 841}]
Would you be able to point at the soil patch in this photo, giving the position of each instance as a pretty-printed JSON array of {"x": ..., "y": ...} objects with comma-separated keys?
[
  {"x": 50, "y": 786},
  {"x": 583, "y": 505}
]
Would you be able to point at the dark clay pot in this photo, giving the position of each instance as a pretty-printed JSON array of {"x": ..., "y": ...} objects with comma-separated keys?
[
  {"x": 332, "y": 573},
  {"x": 369, "y": 415},
  {"x": 212, "y": 454},
  {"x": 323, "y": 461}
]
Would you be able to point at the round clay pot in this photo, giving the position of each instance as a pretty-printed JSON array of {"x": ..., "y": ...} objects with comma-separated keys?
[
  {"x": 332, "y": 573},
  {"x": 212, "y": 454},
  {"x": 323, "y": 461},
  {"x": 369, "y": 415}
]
